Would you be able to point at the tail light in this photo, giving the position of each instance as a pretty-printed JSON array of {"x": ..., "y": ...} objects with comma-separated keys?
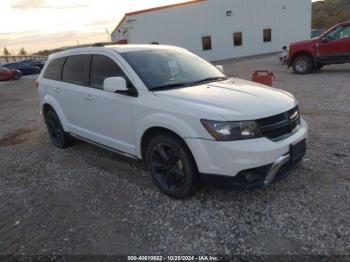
[{"x": 36, "y": 83}]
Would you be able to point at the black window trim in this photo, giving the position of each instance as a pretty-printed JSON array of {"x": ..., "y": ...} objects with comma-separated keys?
[
  {"x": 132, "y": 91},
  {"x": 64, "y": 62}
]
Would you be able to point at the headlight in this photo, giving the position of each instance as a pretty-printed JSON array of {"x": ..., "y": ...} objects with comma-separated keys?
[{"x": 230, "y": 131}]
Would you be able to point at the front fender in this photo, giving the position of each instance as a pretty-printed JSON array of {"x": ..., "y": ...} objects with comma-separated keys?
[
  {"x": 170, "y": 122},
  {"x": 307, "y": 52},
  {"x": 51, "y": 101}
]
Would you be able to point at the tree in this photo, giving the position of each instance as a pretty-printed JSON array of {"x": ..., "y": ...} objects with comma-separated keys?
[
  {"x": 6, "y": 52},
  {"x": 22, "y": 51},
  {"x": 330, "y": 12},
  {"x": 44, "y": 52}
]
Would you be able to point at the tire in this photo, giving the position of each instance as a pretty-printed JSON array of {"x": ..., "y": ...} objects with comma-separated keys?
[
  {"x": 172, "y": 167},
  {"x": 58, "y": 136},
  {"x": 302, "y": 65},
  {"x": 16, "y": 76}
]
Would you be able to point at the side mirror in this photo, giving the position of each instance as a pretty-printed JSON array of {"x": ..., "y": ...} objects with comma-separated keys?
[
  {"x": 324, "y": 39},
  {"x": 115, "y": 84},
  {"x": 221, "y": 68}
]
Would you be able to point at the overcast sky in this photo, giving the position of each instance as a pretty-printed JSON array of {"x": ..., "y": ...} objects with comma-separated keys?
[{"x": 46, "y": 24}]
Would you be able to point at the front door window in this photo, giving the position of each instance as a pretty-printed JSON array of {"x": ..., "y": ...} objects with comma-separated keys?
[{"x": 339, "y": 33}]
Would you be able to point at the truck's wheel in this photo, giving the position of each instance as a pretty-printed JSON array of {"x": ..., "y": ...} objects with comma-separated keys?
[
  {"x": 171, "y": 166},
  {"x": 58, "y": 136},
  {"x": 302, "y": 65}
]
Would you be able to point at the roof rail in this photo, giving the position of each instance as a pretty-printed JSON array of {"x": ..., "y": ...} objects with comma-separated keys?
[
  {"x": 104, "y": 43},
  {"x": 101, "y": 44}
]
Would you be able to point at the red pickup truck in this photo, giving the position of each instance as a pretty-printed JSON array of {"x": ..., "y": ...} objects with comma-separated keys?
[{"x": 332, "y": 47}]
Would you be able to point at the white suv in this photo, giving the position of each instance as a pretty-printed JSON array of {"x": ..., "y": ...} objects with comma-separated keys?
[{"x": 177, "y": 112}]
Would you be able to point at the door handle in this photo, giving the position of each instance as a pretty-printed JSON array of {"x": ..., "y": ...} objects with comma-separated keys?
[
  {"x": 89, "y": 97},
  {"x": 57, "y": 89}
]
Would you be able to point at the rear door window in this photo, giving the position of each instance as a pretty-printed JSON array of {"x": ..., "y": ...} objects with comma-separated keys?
[
  {"x": 74, "y": 70},
  {"x": 103, "y": 67},
  {"x": 54, "y": 69}
]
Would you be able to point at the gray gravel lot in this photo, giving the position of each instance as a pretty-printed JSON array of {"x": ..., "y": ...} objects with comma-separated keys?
[{"x": 85, "y": 200}]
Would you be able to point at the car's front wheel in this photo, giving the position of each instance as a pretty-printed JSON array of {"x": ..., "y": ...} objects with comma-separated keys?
[
  {"x": 302, "y": 65},
  {"x": 171, "y": 166},
  {"x": 58, "y": 136}
]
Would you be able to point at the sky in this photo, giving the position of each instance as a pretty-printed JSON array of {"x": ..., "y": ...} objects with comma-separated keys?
[{"x": 46, "y": 24}]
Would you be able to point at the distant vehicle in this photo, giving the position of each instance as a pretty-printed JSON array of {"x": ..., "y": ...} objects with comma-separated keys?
[
  {"x": 333, "y": 47},
  {"x": 26, "y": 69},
  {"x": 32, "y": 62},
  {"x": 174, "y": 110},
  {"x": 284, "y": 55},
  {"x": 316, "y": 32},
  {"x": 9, "y": 74}
]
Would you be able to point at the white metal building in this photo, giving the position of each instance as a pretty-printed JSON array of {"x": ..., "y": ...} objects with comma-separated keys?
[{"x": 220, "y": 29}]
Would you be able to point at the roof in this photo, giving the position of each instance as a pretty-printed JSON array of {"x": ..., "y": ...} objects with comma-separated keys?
[{"x": 155, "y": 9}]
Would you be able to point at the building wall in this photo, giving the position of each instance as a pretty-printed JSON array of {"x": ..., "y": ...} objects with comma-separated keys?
[{"x": 290, "y": 20}]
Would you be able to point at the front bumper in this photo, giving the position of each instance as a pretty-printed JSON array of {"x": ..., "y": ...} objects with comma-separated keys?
[
  {"x": 256, "y": 177},
  {"x": 227, "y": 161}
]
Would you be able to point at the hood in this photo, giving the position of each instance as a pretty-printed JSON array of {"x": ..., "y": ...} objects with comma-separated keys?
[
  {"x": 305, "y": 42},
  {"x": 233, "y": 99}
]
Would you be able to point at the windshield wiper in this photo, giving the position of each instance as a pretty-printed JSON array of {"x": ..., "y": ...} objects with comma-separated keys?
[
  {"x": 210, "y": 79},
  {"x": 169, "y": 86},
  {"x": 180, "y": 85}
]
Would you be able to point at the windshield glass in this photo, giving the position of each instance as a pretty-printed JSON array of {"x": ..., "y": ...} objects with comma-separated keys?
[{"x": 164, "y": 69}]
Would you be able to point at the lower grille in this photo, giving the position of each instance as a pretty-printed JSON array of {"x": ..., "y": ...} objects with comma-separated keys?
[{"x": 280, "y": 126}]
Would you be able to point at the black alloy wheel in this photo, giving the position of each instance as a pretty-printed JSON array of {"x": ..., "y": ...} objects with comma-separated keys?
[
  {"x": 58, "y": 136},
  {"x": 172, "y": 166}
]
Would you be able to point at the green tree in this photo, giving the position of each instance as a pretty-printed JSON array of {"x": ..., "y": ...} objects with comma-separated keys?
[
  {"x": 6, "y": 52},
  {"x": 22, "y": 51}
]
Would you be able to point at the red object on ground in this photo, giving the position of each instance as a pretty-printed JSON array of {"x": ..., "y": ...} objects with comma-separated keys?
[
  {"x": 264, "y": 77},
  {"x": 122, "y": 42},
  {"x": 9, "y": 74}
]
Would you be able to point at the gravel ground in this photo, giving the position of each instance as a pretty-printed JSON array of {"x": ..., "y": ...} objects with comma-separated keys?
[{"x": 85, "y": 200}]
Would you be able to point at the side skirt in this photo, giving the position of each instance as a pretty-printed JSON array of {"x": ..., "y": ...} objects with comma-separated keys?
[{"x": 104, "y": 147}]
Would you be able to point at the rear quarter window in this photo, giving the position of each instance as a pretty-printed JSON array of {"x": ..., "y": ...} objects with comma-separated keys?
[{"x": 54, "y": 69}]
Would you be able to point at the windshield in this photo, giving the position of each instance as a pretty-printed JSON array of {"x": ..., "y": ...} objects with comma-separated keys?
[{"x": 164, "y": 69}]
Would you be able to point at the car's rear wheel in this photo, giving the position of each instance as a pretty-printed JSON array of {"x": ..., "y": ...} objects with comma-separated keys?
[
  {"x": 172, "y": 166},
  {"x": 302, "y": 65},
  {"x": 58, "y": 136}
]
